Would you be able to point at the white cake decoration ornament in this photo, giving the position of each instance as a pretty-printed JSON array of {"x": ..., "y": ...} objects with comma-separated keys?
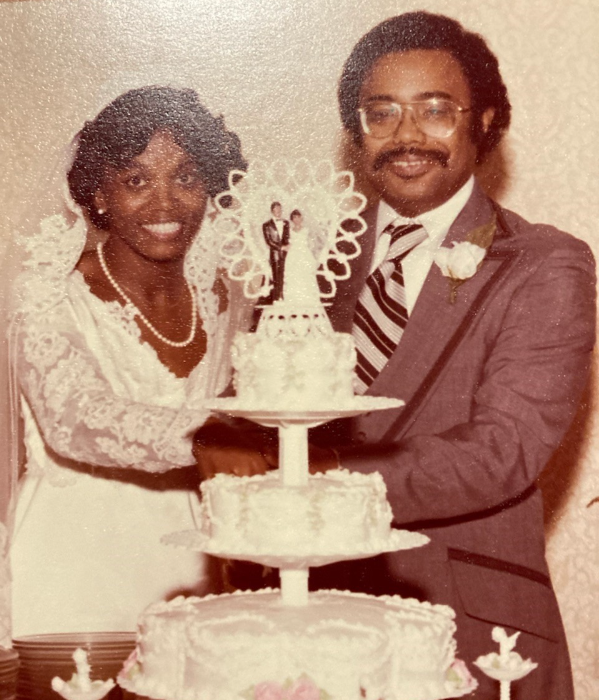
[
  {"x": 81, "y": 687},
  {"x": 507, "y": 665}
]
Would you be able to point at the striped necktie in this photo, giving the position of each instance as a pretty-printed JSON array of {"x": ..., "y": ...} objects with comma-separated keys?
[{"x": 381, "y": 313}]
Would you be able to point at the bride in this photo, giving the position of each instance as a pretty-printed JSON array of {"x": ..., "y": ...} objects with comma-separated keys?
[
  {"x": 300, "y": 285},
  {"x": 115, "y": 347}
]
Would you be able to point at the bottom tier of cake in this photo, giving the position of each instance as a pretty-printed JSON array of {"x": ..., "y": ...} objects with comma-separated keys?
[{"x": 341, "y": 646}]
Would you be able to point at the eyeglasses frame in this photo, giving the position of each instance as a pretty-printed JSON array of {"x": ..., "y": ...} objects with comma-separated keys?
[{"x": 408, "y": 106}]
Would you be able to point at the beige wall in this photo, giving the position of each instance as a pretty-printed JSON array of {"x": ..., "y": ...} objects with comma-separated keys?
[{"x": 271, "y": 67}]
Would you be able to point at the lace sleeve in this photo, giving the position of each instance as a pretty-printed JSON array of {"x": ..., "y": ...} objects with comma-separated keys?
[{"x": 78, "y": 413}]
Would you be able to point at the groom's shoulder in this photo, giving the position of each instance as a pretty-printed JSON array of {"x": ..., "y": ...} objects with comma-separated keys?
[{"x": 541, "y": 239}]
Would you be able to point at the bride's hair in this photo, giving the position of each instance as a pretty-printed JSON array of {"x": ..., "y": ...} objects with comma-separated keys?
[
  {"x": 295, "y": 212},
  {"x": 124, "y": 128}
]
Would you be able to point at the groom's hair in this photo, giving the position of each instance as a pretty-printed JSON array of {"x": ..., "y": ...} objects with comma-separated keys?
[
  {"x": 123, "y": 129},
  {"x": 273, "y": 205},
  {"x": 427, "y": 31}
]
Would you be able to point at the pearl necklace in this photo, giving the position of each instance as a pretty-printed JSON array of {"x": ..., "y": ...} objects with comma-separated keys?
[{"x": 140, "y": 315}]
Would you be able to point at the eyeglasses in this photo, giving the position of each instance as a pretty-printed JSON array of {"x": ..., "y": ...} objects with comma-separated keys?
[{"x": 437, "y": 117}]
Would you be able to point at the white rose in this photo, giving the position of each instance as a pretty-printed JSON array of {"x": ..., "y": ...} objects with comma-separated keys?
[{"x": 460, "y": 262}]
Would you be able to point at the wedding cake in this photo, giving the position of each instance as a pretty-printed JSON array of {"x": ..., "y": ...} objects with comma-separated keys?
[{"x": 289, "y": 644}]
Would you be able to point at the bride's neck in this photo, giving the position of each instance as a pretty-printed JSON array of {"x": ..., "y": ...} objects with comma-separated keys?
[{"x": 145, "y": 277}]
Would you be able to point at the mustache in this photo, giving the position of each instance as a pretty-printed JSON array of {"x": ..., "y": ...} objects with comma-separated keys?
[{"x": 387, "y": 156}]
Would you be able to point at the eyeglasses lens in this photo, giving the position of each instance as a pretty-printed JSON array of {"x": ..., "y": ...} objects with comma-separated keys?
[{"x": 436, "y": 118}]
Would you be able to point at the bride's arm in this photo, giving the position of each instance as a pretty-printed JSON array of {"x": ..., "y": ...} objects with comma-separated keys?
[{"x": 79, "y": 415}]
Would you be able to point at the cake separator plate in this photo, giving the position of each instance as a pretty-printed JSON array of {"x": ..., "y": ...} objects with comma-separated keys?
[
  {"x": 271, "y": 415},
  {"x": 196, "y": 541}
]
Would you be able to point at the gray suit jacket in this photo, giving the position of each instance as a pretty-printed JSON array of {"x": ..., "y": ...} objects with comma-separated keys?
[{"x": 491, "y": 383}]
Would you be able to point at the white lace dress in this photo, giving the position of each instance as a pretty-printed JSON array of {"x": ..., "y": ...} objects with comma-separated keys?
[{"x": 105, "y": 423}]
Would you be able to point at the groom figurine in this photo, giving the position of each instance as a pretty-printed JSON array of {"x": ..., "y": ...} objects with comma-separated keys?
[
  {"x": 276, "y": 235},
  {"x": 489, "y": 346}
]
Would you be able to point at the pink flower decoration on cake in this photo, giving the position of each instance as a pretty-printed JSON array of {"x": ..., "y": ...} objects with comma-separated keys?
[
  {"x": 304, "y": 689},
  {"x": 130, "y": 666},
  {"x": 269, "y": 690}
]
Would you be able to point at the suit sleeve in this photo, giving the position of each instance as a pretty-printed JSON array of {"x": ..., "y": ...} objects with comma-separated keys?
[
  {"x": 529, "y": 389},
  {"x": 79, "y": 414}
]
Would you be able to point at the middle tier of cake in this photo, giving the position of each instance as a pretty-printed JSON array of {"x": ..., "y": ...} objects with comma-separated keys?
[{"x": 340, "y": 511}]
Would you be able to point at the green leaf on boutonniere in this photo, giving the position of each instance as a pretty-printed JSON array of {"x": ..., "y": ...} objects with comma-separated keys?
[{"x": 482, "y": 236}]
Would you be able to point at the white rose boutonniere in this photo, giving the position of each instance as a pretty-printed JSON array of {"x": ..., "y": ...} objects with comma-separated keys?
[{"x": 461, "y": 262}]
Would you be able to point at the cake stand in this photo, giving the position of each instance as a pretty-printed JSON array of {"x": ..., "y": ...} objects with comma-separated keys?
[{"x": 293, "y": 425}]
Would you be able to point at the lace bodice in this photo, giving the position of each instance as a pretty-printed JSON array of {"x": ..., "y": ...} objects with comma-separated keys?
[{"x": 93, "y": 391}]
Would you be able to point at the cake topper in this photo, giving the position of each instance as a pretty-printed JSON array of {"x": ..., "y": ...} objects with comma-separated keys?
[{"x": 285, "y": 225}]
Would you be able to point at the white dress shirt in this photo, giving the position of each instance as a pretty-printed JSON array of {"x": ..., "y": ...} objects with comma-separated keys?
[
  {"x": 279, "y": 226},
  {"x": 418, "y": 261}
]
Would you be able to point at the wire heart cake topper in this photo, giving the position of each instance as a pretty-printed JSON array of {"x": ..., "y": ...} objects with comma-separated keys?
[{"x": 328, "y": 203}]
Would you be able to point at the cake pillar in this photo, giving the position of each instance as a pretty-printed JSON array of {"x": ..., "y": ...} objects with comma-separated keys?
[
  {"x": 293, "y": 463},
  {"x": 293, "y": 454},
  {"x": 294, "y": 586}
]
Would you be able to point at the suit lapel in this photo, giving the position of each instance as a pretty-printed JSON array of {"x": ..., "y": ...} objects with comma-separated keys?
[{"x": 436, "y": 326}]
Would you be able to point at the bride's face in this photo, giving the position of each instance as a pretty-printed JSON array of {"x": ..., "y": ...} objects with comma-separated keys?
[
  {"x": 155, "y": 204},
  {"x": 297, "y": 221}
]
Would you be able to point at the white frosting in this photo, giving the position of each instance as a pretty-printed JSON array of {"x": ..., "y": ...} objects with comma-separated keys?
[
  {"x": 294, "y": 360},
  {"x": 339, "y": 511},
  {"x": 220, "y": 647}
]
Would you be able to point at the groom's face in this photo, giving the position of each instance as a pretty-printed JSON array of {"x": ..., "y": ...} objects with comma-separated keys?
[
  {"x": 412, "y": 171},
  {"x": 277, "y": 211}
]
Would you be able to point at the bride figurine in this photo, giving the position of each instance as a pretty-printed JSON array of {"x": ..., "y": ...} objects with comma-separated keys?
[{"x": 300, "y": 285}]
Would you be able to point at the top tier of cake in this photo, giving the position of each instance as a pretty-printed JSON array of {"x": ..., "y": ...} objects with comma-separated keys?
[{"x": 294, "y": 361}]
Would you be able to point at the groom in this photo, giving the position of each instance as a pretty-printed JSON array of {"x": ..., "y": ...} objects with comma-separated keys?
[
  {"x": 491, "y": 359},
  {"x": 276, "y": 235},
  {"x": 490, "y": 349}
]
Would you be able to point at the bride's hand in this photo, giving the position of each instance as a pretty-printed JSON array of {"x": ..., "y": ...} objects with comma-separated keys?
[{"x": 223, "y": 449}]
